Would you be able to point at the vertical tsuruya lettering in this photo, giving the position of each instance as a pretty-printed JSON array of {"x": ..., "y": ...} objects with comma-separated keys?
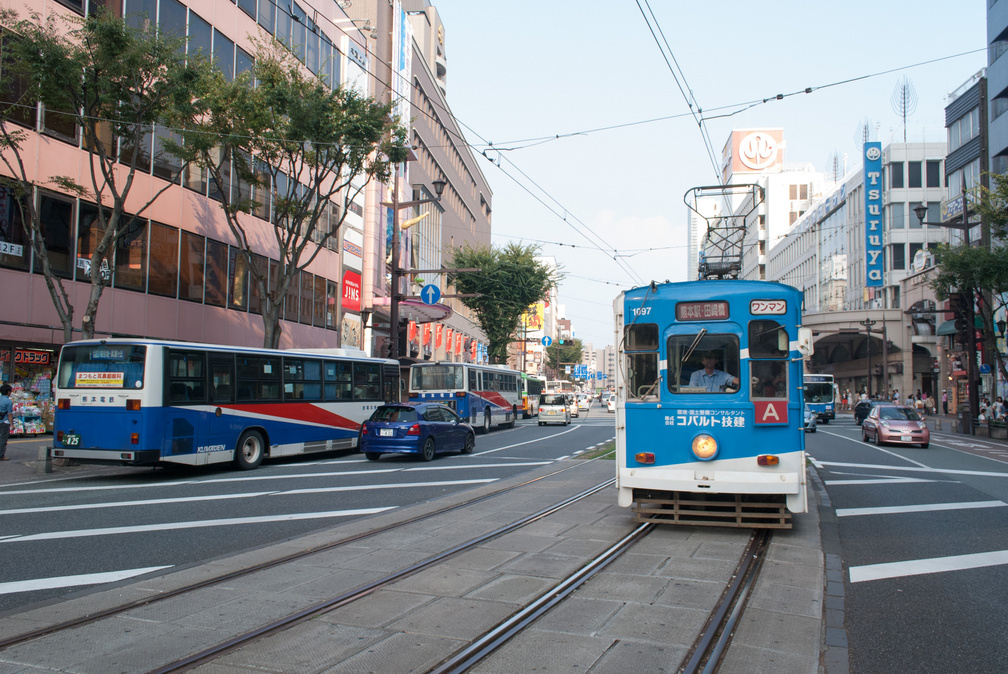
[{"x": 874, "y": 260}]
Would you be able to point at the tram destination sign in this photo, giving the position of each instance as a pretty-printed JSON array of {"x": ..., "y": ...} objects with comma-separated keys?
[{"x": 711, "y": 310}]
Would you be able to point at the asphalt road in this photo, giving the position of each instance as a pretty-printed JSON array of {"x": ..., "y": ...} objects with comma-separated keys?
[
  {"x": 924, "y": 539},
  {"x": 70, "y": 536}
]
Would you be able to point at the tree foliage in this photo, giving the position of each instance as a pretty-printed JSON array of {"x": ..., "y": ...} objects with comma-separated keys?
[
  {"x": 980, "y": 270},
  {"x": 509, "y": 280},
  {"x": 114, "y": 82},
  {"x": 290, "y": 136}
]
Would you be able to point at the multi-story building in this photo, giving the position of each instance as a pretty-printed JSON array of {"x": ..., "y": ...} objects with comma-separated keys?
[
  {"x": 179, "y": 275},
  {"x": 824, "y": 255},
  {"x": 997, "y": 84}
]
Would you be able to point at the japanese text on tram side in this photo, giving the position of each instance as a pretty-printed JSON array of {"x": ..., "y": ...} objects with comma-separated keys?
[{"x": 703, "y": 418}]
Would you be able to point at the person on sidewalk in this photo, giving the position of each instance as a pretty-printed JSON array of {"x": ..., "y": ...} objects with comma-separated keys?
[
  {"x": 945, "y": 402},
  {"x": 6, "y": 412}
]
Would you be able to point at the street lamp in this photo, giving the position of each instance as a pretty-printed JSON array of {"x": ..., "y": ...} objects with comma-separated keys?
[
  {"x": 396, "y": 206},
  {"x": 868, "y": 323}
]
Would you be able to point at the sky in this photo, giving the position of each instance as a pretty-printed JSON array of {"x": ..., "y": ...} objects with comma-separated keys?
[{"x": 591, "y": 145}]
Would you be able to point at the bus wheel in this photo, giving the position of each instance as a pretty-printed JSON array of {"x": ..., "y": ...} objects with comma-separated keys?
[
  {"x": 486, "y": 421},
  {"x": 250, "y": 450},
  {"x": 470, "y": 442},
  {"x": 428, "y": 449}
]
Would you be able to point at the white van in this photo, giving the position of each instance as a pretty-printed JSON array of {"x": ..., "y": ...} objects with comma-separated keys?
[{"x": 553, "y": 409}]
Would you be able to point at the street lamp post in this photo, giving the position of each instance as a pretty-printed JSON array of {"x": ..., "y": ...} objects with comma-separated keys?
[
  {"x": 868, "y": 323},
  {"x": 395, "y": 294}
]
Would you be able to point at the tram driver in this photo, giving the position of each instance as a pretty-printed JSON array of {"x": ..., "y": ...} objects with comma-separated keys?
[{"x": 711, "y": 378}]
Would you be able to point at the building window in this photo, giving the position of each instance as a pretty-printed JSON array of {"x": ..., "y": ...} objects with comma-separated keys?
[
  {"x": 792, "y": 192},
  {"x": 191, "y": 267},
  {"x": 934, "y": 173},
  {"x": 914, "y": 174},
  {"x": 914, "y": 220},
  {"x": 131, "y": 256},
  {"x": 897, "y": 255},
  {"x": 896, "y": 175},
  {"x": 11, "y": 232},
  {"x": 319, "y": 302},
  {"x": 260, "y": 267},
  {"x": 897, "y": 219},
  {"x": 55, "y": 217},
  {"x": 164, "y": 248},
  {"x": 237, "y": 280},
  {"x": 307, "y": 290},
  {"x": 216, "y": 273},
  {"x": 998, "y": 107},
  {"x": 224, "y": 50}
]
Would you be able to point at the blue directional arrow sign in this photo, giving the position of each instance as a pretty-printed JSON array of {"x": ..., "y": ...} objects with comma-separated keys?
[
  {"x": 547, "y": 340},
  {"x": 430, "y": 294}
]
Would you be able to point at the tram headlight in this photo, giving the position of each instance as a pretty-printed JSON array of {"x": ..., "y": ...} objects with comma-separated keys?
[{"x": 705, "y": 447}]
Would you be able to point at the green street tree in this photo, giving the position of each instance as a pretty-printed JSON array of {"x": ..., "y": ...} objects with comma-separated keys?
[
  {"x": 106, "y": 83},
  {"x": 509, "y": 280},
  {"x": 294, "y": 151},
  {"x": 966, "y": 267},
  {"x": 558, "y": 355}
]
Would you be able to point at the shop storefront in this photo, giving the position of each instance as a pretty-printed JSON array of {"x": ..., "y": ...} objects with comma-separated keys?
[{"x": 29, "y": 371}]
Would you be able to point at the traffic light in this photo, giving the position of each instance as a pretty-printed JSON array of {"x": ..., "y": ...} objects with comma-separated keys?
[
  {"x": 963, "y": 330},
  {"x": 957, "y": 304}
]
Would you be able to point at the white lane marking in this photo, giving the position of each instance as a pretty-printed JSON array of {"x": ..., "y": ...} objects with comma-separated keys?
[
  {"x": 194, "y": 499},
  {"x": 125, "y": 504},
  {"x": 74, "y": 581},
  {"x": 950, "y": 471},
  {"x": 922, "y": 508},
  {"x": 260, "y": 478},
  {"x": 880, "y": 480},
  {"x": 880, "y": 449},
  {"x": 172, "y": 526},
  {"x": 918, "y": 567},
  {"x": 561, "y": 458},
  {"x": 480, "y": 465},
  {"x": 402, "y": 485},
  {"x": 529, "y": 442}
]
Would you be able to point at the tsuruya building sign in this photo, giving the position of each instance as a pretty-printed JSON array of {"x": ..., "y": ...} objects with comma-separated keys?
[{"x": 874, "y": 259}]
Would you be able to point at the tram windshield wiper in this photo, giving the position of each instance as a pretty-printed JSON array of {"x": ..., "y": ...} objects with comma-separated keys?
[{"x": 693, "y": 346}]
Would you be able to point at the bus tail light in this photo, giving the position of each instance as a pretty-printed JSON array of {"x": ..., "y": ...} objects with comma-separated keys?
[
  {"x": 59, "y": 436},
  {"x": 767, "y": 460},
  {"x": 63, "y": 404},
  {"x": 57, "y": 453},
  {"x": 414, "y": 430},
  {"x": 644, "y": 457},
  {"x": 704, "y": 447},
  {"x": 133, "y": 405},
  {"x": 134, "y": 438}
]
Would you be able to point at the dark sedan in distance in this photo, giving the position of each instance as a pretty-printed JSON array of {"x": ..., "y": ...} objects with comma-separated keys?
[
  {"x": 423, "y": 429},
  {"x": 862, "y": 408}
]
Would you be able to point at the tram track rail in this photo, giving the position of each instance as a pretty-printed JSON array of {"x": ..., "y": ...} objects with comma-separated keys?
[
  {"x": 118, "y": 609},
  {"x": 712, "y": 643},
  {"x": 221, "y": 649}
]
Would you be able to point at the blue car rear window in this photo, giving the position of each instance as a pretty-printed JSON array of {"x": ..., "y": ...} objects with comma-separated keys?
[{"x": 404, "y": 414}]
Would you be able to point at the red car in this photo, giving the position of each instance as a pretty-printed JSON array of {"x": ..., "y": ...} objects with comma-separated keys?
[{"x": 897, "y": 424}]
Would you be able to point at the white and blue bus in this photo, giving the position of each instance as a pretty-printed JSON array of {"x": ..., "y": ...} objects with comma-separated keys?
[
  {"x": 709, "y": 418},
  {"x": 485, "y": 395},
  {"x": 820, "y": 396},
  {"x": 148, "y": 402}
]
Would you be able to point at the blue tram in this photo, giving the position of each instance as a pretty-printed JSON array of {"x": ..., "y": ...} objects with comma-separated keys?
[{"x": 709, "y": 402}]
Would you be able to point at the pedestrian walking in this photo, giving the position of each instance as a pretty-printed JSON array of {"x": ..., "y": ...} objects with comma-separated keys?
[
  {"x": 6, "y": 412},
  {"x": 945, "y": 402}
]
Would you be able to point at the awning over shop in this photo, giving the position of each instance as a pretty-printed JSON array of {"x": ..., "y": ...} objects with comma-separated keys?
[
  {"x": 946, "y": 328},
  {"x": 413, "y": 310}
]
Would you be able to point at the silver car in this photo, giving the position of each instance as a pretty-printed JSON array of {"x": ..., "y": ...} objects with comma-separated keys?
[{"x": 553, "y": 409}]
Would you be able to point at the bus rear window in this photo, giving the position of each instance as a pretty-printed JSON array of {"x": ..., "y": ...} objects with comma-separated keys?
[{"x": 113, "y": 366}]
